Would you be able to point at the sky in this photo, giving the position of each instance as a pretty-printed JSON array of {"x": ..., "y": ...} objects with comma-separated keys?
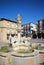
[{"x": 30, "y": 10}]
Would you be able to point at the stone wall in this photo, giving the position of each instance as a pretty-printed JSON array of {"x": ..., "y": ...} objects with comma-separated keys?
[{"x": 7, "y": 27}]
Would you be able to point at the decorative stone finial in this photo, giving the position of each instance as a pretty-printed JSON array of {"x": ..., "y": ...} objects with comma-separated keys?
[{"x": 18, "y": 18}]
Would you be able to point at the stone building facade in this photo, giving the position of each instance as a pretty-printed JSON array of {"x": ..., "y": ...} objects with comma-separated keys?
[
  {"x": 28, "y": 29},
  {"x": 41, "y": 28},
  {"x": 9, "y": 28}
]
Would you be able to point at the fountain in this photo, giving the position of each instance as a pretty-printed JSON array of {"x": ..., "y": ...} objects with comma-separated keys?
[
  {"x": 23, "y": 53},
  {"x": 20, "y": 46}
]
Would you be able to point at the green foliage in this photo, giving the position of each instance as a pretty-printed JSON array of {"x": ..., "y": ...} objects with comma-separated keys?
[
  {"x": 36, "y": 48},
  {"x": 4, "y": 49}
]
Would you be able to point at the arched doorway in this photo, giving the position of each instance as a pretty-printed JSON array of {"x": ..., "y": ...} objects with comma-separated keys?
[
  {"x": 43, "y": 35},
  {"x": 39, "y": 35}
]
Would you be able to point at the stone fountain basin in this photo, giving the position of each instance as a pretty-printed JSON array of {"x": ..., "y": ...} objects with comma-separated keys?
[
  {"x": 25, "y": 59},
  {"x": 20, "y": 44},
  {"x": 21, "y": 48},
  {"x": 24, "y": 54}
]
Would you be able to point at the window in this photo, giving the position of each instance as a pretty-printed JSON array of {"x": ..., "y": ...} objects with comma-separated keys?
[
  {"x": 8, "y": 36},
  {"x": 43, "y": 25},
  {"x": 34, "y": 36},
  {"x": 43, "y": 35},
  {"x": 39, "y": 35},
  {"x": 12, "y": 35},
  {"x": 29, "y": 28}
]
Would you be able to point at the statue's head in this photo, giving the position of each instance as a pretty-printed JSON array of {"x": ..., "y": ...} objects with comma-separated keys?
[{"x": 18, "y": 18}]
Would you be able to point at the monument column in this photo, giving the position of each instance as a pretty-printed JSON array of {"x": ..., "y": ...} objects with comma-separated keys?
[{"x": 18, "y": 18}]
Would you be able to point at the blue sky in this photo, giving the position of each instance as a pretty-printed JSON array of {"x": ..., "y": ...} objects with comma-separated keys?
[{"x": 30, "y": 10}]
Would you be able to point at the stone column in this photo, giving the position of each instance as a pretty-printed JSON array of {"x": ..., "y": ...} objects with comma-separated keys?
[{"x": 18, "y": 18}]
